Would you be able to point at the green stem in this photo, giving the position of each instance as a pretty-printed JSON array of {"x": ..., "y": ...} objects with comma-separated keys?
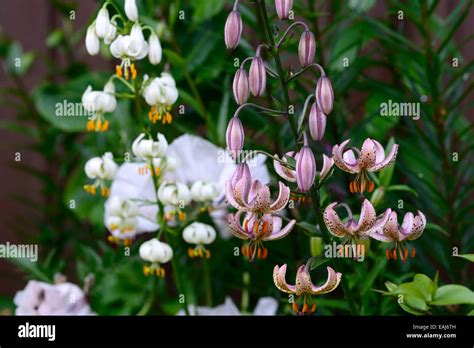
[
  {"x": 207, "y": 282},
  {"x": 149, "y": 301},
  {"x": 279, "y": 67}
]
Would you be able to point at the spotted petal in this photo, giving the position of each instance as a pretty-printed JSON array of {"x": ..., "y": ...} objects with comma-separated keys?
[
  {"x": 419, "y": 224},
  {"x": 366, "y": 219},
  {"x": 235, "y": 227},
  {"x": 261, "y": 200},
  {"x": 279, "y": 232},
  {"x": 390, "y": 229},
  {"x": 334, "y": 278},
  {"x": 279, "y": 274},
  {"x": 332, "y": 221},
  {"x": 389, "y": 159},
  {"x": 340, "y": 162},
  {"x": 368, "y": 154},
  {"x": 239, "y": 198},
  {"x": 282, "y": 199}
]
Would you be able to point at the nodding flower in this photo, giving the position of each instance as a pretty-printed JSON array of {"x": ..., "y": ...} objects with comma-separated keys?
[
  {"x": 160, "y": 93},
  {"x": 283, "y": 8},
  {"x": 97, "y": 103},
  {"x": 101, "y": 169},
  {"x": 202, "y": 191},
  {"x": 351, "y": 229},
  {"x": 371, "y": 158},
  {"x": 175, "y": 195},
  {"x": 199, "y": 234},
  {"x": 233, "y": 28},
  {"x": 390, "y": 231},
  {"x": 257, "y": 229},
  {"x": 121, "y": 219},
  {"x": 157, "y": 253},
  {"x": 304, "y": 287}
]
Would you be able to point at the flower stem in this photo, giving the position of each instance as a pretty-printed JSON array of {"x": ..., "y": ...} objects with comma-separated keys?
[{"x": 207, "y": 282}]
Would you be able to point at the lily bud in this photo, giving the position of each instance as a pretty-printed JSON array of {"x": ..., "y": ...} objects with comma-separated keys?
[
  {"x": 92, "y": 41},
  {"x": 233, "y": 30},
  {"x": 306, "y": 48},
  {"x": 154, "y": 49},
  {"x": 283, "y": 8},
  {"x": 257, "y": 76},
  {"x": 131, "y": 10},
  {"x": 102, "y": 23},
  {"x": 242, "y": 171},
  {"x": 305, "y": 167},
  {"x": 235, "y": 137},
  {"x": 324, "y": 95},
  {"x": 241, "y": 86},
  {"x": 317, "y": 122}
]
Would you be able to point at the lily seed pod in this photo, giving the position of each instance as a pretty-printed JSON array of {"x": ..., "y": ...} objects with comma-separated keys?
[
  {"x": 241, "y": 86},
  {"x": 306, "y": 49},
  {"x": 305, "y": 167},
  {"x": 283, "y": 8},
  {"x": 317, "y": 123},
  {"x": 257, "y": 76},
  {"x": 233, "y": 30},
  {"x": 235, "y": 137},
  {"x": 324, "y": 95}
]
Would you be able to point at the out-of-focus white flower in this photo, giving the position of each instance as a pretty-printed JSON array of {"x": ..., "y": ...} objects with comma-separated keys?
[
  {"x": 265, "y": 306},
  {"x": 100, "y": 169},
  {"x": 39, "y": 298},
  {"x": 201, "y": 160},
  {"x": 176, "y": 195},
  {"x": 148, "y": 148},
  {"x": 96, "y": 103},
  {"x": 111, "y": 32},
  {"x": 199, "y": 234},
  {"x": 154, "y": 49},
  {"x": 161, "y": 93},
  {"x": 92, "y": 41},
  {"x": 204, "y": 191},
  {"x": 155, "y": 252},
  {"x": 131, "y": 10},
  {"x": 102, "y": 23},
  {"x": 138, "y": 191}
]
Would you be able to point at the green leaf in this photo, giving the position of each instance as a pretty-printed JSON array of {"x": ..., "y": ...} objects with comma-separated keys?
[
  {"x": 385, "y": 176},
  {"x": 402, "y": 188},
  {"x": 17, "y": 62},
  {"x": 453, "y": 294},
  {"x": 32, "y": 268},
  {"x": 469, "y": 257},
  {"x": 204, "y": 10},
  {"x": 223, "y": 113}
]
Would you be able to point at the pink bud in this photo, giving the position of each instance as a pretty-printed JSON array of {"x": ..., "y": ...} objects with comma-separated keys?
[
  {"x": 242, "y": 171},
  {"x": 317, "y": 123},
  {"x": 324, "y": 95},
  {"x": 233, "y": 30},
  {"x": 235, "y": 137},
  {"x": 257, "y": 76},
  {"x": 305, "y": 167},
  {"x": 306, "y": 48},
  {"x": 283, "y": 8},
  {"x": 241, "y": 86}
]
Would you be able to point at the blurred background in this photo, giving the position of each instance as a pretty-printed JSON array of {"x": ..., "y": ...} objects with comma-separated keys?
[{"x": 405, "y": 60}]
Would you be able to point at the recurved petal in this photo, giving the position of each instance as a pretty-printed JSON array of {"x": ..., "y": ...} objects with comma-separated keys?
[
  {"x": 328, "y": 163},
  {"x": 261, "y": 201},
  {"x": 332, "y": 221},
  {"x": 334, "y": 278},
  {"x": 279, "y": 274},
  {"x": 284, "y": 172},
  {"x": 366, "y": 219},
  {"x": 338, "y": 157},
  {"x": 389, "y": 159},
  {"x": 303, "y": 280},
  {"x": 368, "y": 154},
  {"x": 235, "y": 226},
  {"x": 279, "y": 232},
  {"x": 379, "y": 224},
  {"x": 407, "y": 225},
  {"x": 390, "y": 229},
  {"x": 419, "y": 224},
  {"x": 282, "y": 199},
  {"x": 238, "y": 196}
]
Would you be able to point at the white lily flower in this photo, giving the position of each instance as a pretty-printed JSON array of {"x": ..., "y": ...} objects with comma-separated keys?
[
  {"x": 97, "y": 103},
  {"x": 148, "y": 148},
  {"x": 111, "y": 33},
  {"x": 154, "y": 49},
  {"x": 100, "y": 169},
  {"x": 40, "y": 298},
  {"x": 102, "y": 23},
  {"x": 92, "y": 41},
  {"x": 199, "y": 234},
  {"x": 174, "y": 194},
  {"x": 131, "y": 10},
  {"x": 160, "y": 93},
  {"x": 265, "y": 306},
  {"x": 121, "y": 218},
  {"x": 202, "y": 191},
  {"x": 155, "y": 252}
]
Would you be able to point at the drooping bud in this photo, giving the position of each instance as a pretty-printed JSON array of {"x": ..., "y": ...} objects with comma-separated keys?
[
  {"x": 306, "y": 48},
  {"x": 102, "y": 23},
  {"x": 317, "y": 122},
  {"x": 154, "y": 49},
  {"x": 92, "y": 41},
  {"x": 235, "y": 137},
  {"x": 324, "y": 94},
  {"x": 131, "y": 10},
  {"x": 283, "y": 8},
  {"x": 305, "y": 167},
  {"x": 241, "y": 86},
  {"x": 257, "y": 76},
  {"x": 233, "y": 30},
  {"x": 242, "y": 171}
]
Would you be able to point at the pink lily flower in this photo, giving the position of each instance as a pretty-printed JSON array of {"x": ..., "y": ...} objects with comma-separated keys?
[
  {"x": 371, "y": 158},
  {"x": 390, "y": 231},
  {"x": 304, "y": 286},
  {"x": 257, "y": 230}
]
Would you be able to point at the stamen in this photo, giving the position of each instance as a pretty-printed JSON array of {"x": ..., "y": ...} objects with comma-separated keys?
[
  {"x": 313, "y": 308},
  {"x": 118, "y": 71},
  {"x": 91, "y": 189},
  {"x": 105, "y": 126},
  {"x": 146, "y": 270},
  {"x": 371, "y": 186},
  {"x": 387, "y": 254},
  {"x": 295, "y": 307},
  {"x": 413, "y": 252},
  {"x": 181, "y": 216},
  {"x": 90, "y": 126},
  {"x": 134, "y": 71}
]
